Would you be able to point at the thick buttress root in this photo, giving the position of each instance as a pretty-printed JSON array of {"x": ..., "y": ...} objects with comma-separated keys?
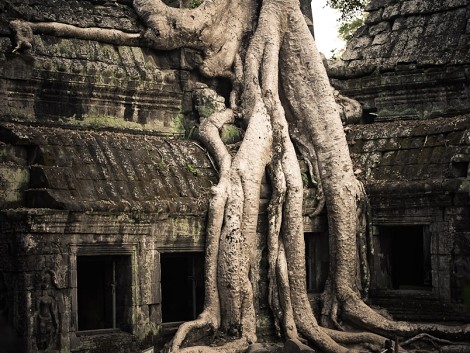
[
  {"x": 340, "y": 187},
  {"x": 285, "y": 91}
]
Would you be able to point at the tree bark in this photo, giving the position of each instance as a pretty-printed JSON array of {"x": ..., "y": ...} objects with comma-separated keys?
[{"x": 278, "y": 75}]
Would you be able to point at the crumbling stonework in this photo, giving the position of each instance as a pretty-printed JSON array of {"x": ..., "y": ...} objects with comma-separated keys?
[
  {"x": 94, "y": 165},
  {"x": 95, "y": 193},
  {"x": 408, "y": 67},
  {"x": 79, "y": 81},
  {"x": 80, "y": 170},
  {"x": 409, "y": 60},
  {"x": 417, "y": 174}
]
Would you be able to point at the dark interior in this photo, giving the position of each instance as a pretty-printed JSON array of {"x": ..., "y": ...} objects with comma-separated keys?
[
  {"x": 182, "y": 282},
  {"x": 317, "y": 257},
  {"x": 98, "y": 307},
  {"x": 408, "y": 251}
]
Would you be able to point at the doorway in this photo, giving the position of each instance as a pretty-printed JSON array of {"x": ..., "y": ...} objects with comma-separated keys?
[
  {"x": 403, "y": 257},
  {"x": 317, "y": 258},
  {"x": 182, "y": 285},
  {"x": 103, "y": 292}
]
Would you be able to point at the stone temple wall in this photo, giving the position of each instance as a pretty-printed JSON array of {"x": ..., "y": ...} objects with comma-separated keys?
[
  {"x": 71, "y": 193},
  {"x": 410, "y": 60},
  {"x": 94, "y": 165},
  {"x": 79, "y": 81},
  {"x": 408, "y": 66},
  {"x": 416, "y": 175}
]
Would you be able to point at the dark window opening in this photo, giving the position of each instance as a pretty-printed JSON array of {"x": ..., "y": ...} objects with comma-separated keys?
[
  {"x": 182, "y": 283},
  {"x": 318, "y": 260},
  {"x": 403, "y": 257},
  {"x": 103, "y": 292},
  {"x": 368, "y": 116},
  {"x": 460, "y": 169}
]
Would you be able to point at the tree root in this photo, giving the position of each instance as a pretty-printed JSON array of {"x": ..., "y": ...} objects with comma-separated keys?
[
  {"x": 23, "y": 35},
  {"x": 374, "y": 342},
  {"x": 427, "y": 337},
  {"x": 209, "y": 134},
  {"x": 307, "y": 150},
  {"x": 204, "y": 320},
  {"x": 281, "y": 44},
  {"x": 24, "y": 30},
  {"x": 199, "y": 28},
  {"x": 235, "y": 346},
  {"x": 356, "y": 311}
]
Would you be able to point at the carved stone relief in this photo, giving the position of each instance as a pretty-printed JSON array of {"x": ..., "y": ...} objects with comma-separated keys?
[{"x": 47, "y": 318}]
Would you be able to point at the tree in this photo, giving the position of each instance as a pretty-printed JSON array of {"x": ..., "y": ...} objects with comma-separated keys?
[
  {"x": 350, "y": 10},
  {"x": 352, "y": 16},
  {"x": 282, "y": 95},
  {"x": 347, "y": 28}
]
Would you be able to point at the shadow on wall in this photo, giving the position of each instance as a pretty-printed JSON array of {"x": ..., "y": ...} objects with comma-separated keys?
[
  {"x": 9, "y": 340},
  {"x": 466, "y": 297}
]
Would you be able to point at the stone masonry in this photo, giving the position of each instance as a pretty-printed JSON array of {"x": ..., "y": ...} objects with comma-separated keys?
[{"x": 410, "y": 60}]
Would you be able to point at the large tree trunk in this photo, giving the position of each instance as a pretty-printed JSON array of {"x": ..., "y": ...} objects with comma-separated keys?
[{"x": 278, "y": 76}]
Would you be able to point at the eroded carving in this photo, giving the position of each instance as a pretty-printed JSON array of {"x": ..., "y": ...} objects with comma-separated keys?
[{"x": 46, "y": 313}]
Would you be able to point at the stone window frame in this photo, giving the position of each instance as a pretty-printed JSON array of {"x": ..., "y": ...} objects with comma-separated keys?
[
  {"x": 425, "y": 227},
  {"x": 426, "y": 218},
  {"x": 102, "y": 249},
  {"x": 322, "y": 236},
  {"x": 173, "y": 247}
]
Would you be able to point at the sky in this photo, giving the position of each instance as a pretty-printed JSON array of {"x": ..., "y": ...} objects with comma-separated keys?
[{"x": 326, "y": 28}]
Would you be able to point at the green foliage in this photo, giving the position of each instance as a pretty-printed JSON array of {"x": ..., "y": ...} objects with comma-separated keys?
[
  {"x": 192, "y": 169},
  {"x": 347, "y": 28},
  {"x": 231, "y": 133},
  {"x": 305, "y": 179},
  {"x": 350, "y": 9},
  {"x": 177, "y": 124},
  {"x": 352, "y": 17},
  {"x": 162, "y": 166},
  {"x": 195, "y": 3}
]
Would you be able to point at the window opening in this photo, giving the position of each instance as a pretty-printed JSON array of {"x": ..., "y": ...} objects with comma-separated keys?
[
  {"x": 182, "y": 286},
  {"x": 404, "y": 257},
  {"x": 368, "y": 116},
  {"x": 103, "y": 292},
  {"x": 318, "y": 260},
  {"x": 460, "y": 169}
]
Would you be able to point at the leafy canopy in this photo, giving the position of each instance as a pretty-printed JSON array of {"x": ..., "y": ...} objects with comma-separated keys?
[{"x": 350, "y": 9}]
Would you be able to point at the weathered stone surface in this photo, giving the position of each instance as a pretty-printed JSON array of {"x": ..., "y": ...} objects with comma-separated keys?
[
  {"x": 409, "y": 151},
  {"x": 87, "y": 82},
  {"x": 423, "y": 47},
  {"x": 78, "y": 170},
  {"x": 379, "y": 28},
  {"x": 92, "y": 13},
  {"x": 14, "y": 180},
  {"x": 257, "y": 348},
  {"x": 413, "y": 170}
]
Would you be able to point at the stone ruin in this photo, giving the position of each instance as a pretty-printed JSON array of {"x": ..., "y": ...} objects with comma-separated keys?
[
  {"x": 408, "y": 66},
  {"x": 410, "y": 60},
  {"x": 104, "y": 192}
]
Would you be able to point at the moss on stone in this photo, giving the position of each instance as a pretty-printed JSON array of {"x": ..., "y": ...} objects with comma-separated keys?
[
  {"x": 178, "y": 123},
  {"x": 208, "y": 103},
  {"x": 231, "y": 133},
  {"x": 100, "y": 121},
  {"x": 12, "y": 180}
]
